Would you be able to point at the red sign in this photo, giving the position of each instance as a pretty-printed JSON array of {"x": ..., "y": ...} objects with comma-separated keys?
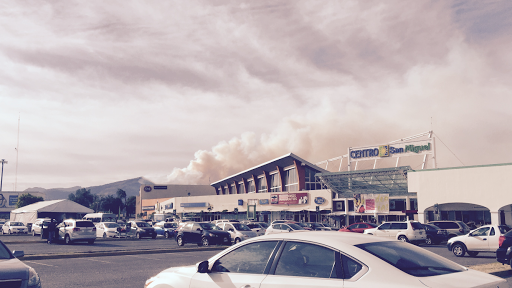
[{"x": 289, "y": 199}]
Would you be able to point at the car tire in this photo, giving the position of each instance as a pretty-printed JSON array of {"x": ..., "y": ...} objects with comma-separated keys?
[
  {"x": 67, "y": 240},
  {"x": 154, "y": 236},
  {"x": 205, "y": 242},
  {"x": 166, "y": 234},
  {"x": 90, "y": 242},
  {"x": 104, "y": 235},
  {"x": 9, "y": 232},
  {"x": 237, "y": 240},
  {"x": 472, "y": 253},
  {"x": 179, "y": 241},
  {"x": 510, "y": 262},
  {"x": 459, "y": 250},
  {"x": 403, "y": 238},
  {"x": 33, "y": 233},
  {"x": 138, "y": 236},
  {"x": 428, "y": 241}
]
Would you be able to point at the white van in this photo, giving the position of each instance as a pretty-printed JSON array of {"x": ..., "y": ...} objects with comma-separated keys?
[{"x": 100, "y": 217}]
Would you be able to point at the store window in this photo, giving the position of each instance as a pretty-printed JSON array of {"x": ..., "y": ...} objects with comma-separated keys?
[
  {"x": 350, "y": 205},
  {"x": 261, "y": 185},
  {"x": 275, "y": 183},
  {"x": 396, "y": 204},
  {"x": 291, "y": 182},
  {"x": 232, "y": 189},
  {"x": 311, "y": 182},
  {"x": 250, "y": 186},
  {"x": 241, "y": 188}
]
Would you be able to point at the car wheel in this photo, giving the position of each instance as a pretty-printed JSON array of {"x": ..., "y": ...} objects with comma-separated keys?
[
  {"x": 33, "y": 233},
  {"x": 237, "y": 240},
  {"x": 459, "y": 250},
  {"x": 205, "y": 242},
  {"x": 154, "y": 236},
  {"x": 179, "y": 240},
  {"x": 9, "y": 232},
  {"x": 428, "y": 241},
  {"x": 166, "y": 234},
  {"x": 510, "y": 262},
  {"x": 90, "y": 242},
  {"x": 472, "y": 253},
  {"x": 67, "y": 240},
  {"x": 403, "y": 238},
  {"x": 138, "y": 236},
  {"x": 104, "y": 235}
]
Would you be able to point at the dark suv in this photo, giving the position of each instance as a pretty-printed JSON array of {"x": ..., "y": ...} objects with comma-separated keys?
[
  {"x": 504, "y": 252},
  {"x": 454, "y": 228},
  {"x": 203, "y": 234},
  {"x": 142, "y": 229}
]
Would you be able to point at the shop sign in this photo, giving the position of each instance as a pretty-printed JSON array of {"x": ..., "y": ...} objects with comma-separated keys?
[
  {"x": 148, "y": 208},
  {"x": 289, "y": 198},
  {"x": 160, "y": 187},
  {"x": 263, "y": 201},
  {"x": 371, "y": 203},
  {"x": 147, "y": 189},
  {"x": 13, "y": 200},
  {"x": 198, "y": 204},
  {"x": 388, "y": 150},
  {"x": 319, "y": 200},
  {"x": 240, "y": 202}
]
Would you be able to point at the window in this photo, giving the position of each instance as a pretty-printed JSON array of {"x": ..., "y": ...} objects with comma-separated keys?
[
  {"x": 250, "y": 186},
  {"x": 306, "y": 260},
  {"x": 232, "y": 189},
  {"x": 251, "y": 258},
  {"x": 398, "y": 226},
  {"x": 241, "y": 189},
  {"x": 291, "y": 181},
  {"x": 311, "y": 182},
  {"x": 481, "y": 232},
  {"x": 261, "y": 185},
  {"x": 385, "y": 226},
  {"x": 275, "y": 183}
]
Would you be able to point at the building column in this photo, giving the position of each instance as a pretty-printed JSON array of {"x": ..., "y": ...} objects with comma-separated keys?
[
  {"x": 495, "y": 217},
  {"x": 407, "y": 206},
  {"x": 346, "y": 212},
  {"x": 421, "y": 217}
]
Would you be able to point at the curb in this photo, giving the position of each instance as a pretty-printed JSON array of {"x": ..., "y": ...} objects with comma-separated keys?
[
  {"x": 115, "y": 253},
  {"x": 496, "y": 269}
]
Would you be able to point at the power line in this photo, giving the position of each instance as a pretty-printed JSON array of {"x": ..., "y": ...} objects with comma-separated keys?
[{"x": 450, "y": 150}]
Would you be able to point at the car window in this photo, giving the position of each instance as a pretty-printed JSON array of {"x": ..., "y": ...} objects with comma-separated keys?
[
  {"x": 276, "y": 226},
  {"x": 397, "y": 226},
  {"x": 353, "y": 226},
  {"x": 16, "y": 224},
  {"x": 411, "y": 259},
  {"x": 142, "y": 224},
  {"x": 4, "y": 252},
  {"x": 416, "y": 226},
  {"x": 209, "y": 226},
  {"x": 170, "y": 225},
  {"x": 350, "y": 267},
  {"x": 481, "y": 232},
  {"x": 241, "y": 227},
  {"x": 294, "y": 226},
  {"x": 111, "y": 225},
  {"x": 492, "y": 232},
  {"x": 251, "y": 258},
  {"x": 503, "y": 229},
  {"x": 84, "y": 224},
  {"x": 306, "y": 260},
  {"x": 264, "y": 225},
  {"x": 385, "y": 226}
]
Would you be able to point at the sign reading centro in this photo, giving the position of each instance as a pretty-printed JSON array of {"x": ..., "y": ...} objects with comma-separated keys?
[{"x": 388, "y": 150}]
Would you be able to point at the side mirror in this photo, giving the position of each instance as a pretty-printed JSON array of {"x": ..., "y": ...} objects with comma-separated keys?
[
  {"x": 289, "y": 229},
  {"x": 231, "y": 230},
  {"x": 202, "y": 267},
  {"x": 18, "y": 254},
  {"x": 199, "y": 229}
]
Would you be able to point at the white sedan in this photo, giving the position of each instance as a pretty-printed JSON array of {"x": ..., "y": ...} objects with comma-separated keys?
[
  {"x": 328, "y": 259},
  {"x": 13, "y": 227},
  {"x": 483, "y": 239}
]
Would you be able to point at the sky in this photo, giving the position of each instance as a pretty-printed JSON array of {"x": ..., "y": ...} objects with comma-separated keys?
[{"x": 191, "y": 92}]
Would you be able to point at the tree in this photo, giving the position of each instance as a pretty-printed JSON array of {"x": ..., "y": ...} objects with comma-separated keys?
[
  {"x": 82, "y": 196},
  {"x": 121, "y": 194},
  {"x": 27, "y": 199},
  {"x": 111, "y": 204},
  {"x": 130, "y": 206}
]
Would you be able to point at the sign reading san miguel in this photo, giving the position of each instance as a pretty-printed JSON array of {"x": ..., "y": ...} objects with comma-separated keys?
[
  {"x": 289, "y": 199},
  {"x": 388, "y": 150}
]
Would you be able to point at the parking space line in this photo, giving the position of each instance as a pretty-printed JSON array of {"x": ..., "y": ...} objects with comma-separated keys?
[
  {"x": 149, "y": 258},
  {"x": 86, "y": 258},
  {"x": 40, "y": 263}
]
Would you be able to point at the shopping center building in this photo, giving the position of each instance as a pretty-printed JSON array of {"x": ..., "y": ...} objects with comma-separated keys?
[{"x": 373, "y": 183}]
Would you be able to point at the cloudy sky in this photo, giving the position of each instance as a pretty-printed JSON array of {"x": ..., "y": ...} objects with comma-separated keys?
[{"x": 194, "y": 91}]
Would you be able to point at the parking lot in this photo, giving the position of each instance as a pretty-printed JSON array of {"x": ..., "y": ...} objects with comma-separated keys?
[{"x": 148, "y": 257}]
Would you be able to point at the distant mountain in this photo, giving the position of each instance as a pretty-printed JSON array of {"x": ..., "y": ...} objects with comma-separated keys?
[{"x": 130, "y": 186}]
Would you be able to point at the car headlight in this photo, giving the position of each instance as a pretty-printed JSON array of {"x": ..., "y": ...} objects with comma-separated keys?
[{"x": 33, "y": 278}]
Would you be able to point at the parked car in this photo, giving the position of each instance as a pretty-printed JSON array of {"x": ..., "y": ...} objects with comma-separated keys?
[
  {"x": 109, "y": 229},
  {"x": 316, "y": 226},
  {"x": 330, "y": 259},
  {"x": 38, "y": 226},
  {"x": 14, "y": 227},
  {"x": 358, "y": 227},
  {"x": 142, "y": 229},
  {"x": 483, "y": 239},
  {"x": 13, "y": 272},
  {"x": 435, "y": 235},
  {"x": 407, "y": 231},
  {"x": 72, "y": 230},
  {"x": 259, "y": 227},
  {"x": 238, "y": 231},
  {"x": 504, "y": 252},
  {"x": 202, "y": 234},
  {"x": 454, "y": 228},
  {"x": 284, "y": 228},
  {"x": 166, "y": 229},
  {"x": 224, "y": 220}
]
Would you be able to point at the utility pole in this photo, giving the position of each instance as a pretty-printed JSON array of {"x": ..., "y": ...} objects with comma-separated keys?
[{"x": 2, "y": 176}]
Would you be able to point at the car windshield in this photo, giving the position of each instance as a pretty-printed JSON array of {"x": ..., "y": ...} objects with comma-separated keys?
[
  {"x": 142, "y": 224},
  {"x": 209, "y": 226},
  {"x": 16, "y": 224},
  {"x": 170, "y": 225},
  {"x": 410, "y": 259},
  {"x": 295, "y": 226},
  {"x": 84, "y": 224},
  {"x": 416, "y": 226},
  {"x": 240, "y": 227},
  {"x": 4, "y": 252},
  {"x": 111, "y": 225}
]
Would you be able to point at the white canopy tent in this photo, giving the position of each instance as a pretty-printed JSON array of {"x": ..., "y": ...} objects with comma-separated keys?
[{"x": 56, "y": 208}]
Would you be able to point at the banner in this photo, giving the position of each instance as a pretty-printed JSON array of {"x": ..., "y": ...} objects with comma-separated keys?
[
  {"x": 371, "y": 203},
  {"x": 289, "y": 199}
]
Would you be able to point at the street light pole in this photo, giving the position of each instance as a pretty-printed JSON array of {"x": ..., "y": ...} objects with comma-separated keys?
[{"x": 2, "y": 176}]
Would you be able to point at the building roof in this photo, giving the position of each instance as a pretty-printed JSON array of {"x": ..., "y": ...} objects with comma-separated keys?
[
  {"x": 159, "y": 191},
  {"x": 59, "y": 206},
  {"x": 386, "y": 180},
  {"x": 283, "y": 161}
]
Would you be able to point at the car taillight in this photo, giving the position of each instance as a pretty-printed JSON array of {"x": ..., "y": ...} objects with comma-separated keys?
[
  {"x": 502, "y": 238},
  {"x": 76, "y": 229}
]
